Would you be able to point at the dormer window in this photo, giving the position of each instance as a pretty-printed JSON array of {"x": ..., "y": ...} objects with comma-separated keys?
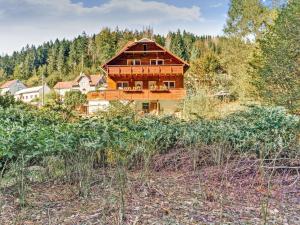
[
  {"x": 133, "y": 62},
  {"x": 156, "y": 62}
]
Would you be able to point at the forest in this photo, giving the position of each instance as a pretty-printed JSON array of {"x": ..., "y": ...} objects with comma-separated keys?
[
  {"x": 239, "y": 62},
  {"x": 210, "y": 166}
]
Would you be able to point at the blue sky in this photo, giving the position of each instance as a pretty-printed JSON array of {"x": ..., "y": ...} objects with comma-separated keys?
[{"x": 36, "y": 21}]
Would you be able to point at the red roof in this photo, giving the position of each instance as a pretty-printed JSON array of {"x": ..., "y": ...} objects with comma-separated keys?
[
  {"x": 94, "y": 79},
  {"x": 64, "y": 85},
  {"x": 8, "y": 83}
]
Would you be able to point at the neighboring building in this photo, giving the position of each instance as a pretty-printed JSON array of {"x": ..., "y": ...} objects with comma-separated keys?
[
  {"x": 29, "y": 95},
  {"x": 62, "y": 87},
  {"x": 83, "y": 83},
  {"x": 146, "y": 73},
  {"x": 11, "y": 87}
]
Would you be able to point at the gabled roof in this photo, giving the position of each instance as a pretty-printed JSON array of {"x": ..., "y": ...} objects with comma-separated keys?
[
  {"x": 8, "y": 83},
  {"x": 94, "y": 79},
  {"x": 29, "y": 90},
  {"x": 143, "y": 40},
  {"x": 63, "y": 85}
]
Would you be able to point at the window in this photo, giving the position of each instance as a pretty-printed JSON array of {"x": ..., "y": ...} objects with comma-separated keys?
[
  {"x": 145, "y": 107},
  {"x": 122, "y": 84},
  {"x": 156, "y": 62},
  {"x": 152, "y": 84},
  {"x": 133, "y": 62},
  {"x": 145, "y": 47},
  {"x": 138, "y": 84},
  {"x": 169, "y": 84}
]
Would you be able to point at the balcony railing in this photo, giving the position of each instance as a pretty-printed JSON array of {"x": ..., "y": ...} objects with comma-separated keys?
[
  {"x": 134, "y": 94},
  {"x": 146, "y": 69}
]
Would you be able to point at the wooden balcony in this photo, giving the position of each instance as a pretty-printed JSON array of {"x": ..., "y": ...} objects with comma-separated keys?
[
  {"x": 145, "y": 94},
  {"x": 145, "y": 70}
]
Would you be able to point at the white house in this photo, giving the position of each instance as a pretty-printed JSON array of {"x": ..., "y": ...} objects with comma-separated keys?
[
  {"x": 62, "y": 87},
  {"x": 83, "y": 83},
  {"x": 11, "y": 87},
  {"x": 30, "y": 94}
]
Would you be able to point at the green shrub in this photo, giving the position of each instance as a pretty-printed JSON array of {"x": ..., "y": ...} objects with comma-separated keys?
[{"x": 32, "y": 135}]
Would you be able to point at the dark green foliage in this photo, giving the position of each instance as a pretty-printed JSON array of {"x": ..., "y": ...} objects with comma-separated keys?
[
  {"x": 177, "y": 45},
  {"x": 7, "y": 100},
  {"x": 36, "y": 134},
  {"x": 74, "y": 99}
]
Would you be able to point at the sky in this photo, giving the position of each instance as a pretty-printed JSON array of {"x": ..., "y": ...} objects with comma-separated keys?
[{"x": 30, "y": 22}]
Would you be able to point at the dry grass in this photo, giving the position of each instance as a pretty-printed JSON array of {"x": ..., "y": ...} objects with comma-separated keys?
[{"x": 236, "y": 192}]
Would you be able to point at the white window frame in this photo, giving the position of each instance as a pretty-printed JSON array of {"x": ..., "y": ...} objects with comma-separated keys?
[
  {"x": 154, "y": 82},
  {"x": 137, "y": 82},
  {"x": 122, "y": 86},
  {"x": 156, "y": 62},
  {"x": 134, "y": 62},
  {"x": 168, "y": 84}
]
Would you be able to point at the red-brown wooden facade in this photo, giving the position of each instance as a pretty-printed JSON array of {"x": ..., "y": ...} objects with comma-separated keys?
[{"x": 143, "y": 70}]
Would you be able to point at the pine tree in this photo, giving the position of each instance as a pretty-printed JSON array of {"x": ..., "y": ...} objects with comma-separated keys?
[
  {"x": 106, "y": 44},
  {"x": 63, "y": 53},
  {"x": 52, "y": 58},
  {"x": 177, "y": 46}
]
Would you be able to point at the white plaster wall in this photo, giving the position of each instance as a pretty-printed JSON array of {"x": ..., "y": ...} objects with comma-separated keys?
[
  {"x": 28, "y": 97},
  {"x": 62, "y": 92},
  {"x": 84, "y": 85}
]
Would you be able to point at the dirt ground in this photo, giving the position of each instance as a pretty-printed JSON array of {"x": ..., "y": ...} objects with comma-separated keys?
[{"x": 173, "y": 193}]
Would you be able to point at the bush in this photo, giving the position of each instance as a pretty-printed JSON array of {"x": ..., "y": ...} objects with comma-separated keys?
[
  {"x": 7, "y": 100},
  {"x": 74, "y": 99},
  {"x": 30, "y": 136}
]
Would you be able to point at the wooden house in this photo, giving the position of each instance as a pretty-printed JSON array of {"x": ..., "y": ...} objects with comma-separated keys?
[{"x": 146, "y": 73}]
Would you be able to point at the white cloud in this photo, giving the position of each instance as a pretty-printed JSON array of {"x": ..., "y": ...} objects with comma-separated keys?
[
  {"x": 217, "y": 5},
  {"x": 36, "y": 21},
  {"x": 43, "y": 9}
]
